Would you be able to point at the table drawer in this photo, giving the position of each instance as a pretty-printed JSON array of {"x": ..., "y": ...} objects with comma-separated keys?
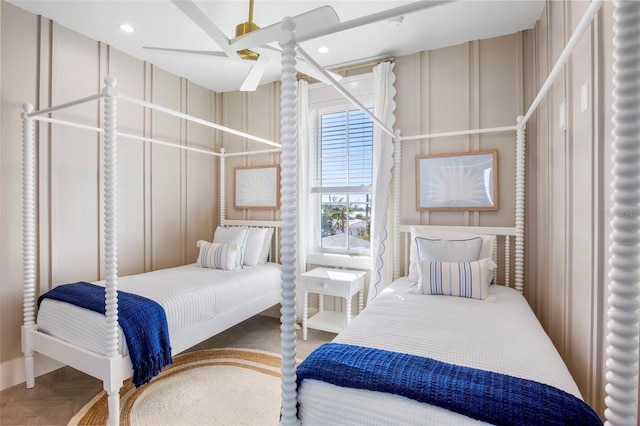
[{"x": 328, "y": 287}]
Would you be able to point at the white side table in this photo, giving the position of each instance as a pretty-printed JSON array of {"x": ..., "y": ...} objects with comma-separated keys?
[{"x": 331, "y": 282}]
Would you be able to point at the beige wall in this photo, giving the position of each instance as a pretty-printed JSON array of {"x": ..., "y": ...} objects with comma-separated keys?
[
  {"x": 469, "y": 86},
  {"x": 568, "y": 192},
  {"x": 257, "y": 113}
]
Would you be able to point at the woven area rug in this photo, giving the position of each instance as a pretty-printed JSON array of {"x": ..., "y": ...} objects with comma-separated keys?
[{"x": 208, "y": 387}]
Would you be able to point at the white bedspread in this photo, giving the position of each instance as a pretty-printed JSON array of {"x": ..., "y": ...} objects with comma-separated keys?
[
  {"x": 189, "y": 295},
  {"x": 500, "y": 334}
]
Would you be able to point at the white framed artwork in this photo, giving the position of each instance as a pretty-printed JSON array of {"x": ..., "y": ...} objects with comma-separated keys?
[
  {"x": 457, "y": 181},
  {"x": 257, "y": 187}
]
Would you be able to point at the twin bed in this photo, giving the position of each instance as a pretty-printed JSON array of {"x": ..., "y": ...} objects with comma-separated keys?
[
  {"x": 485, "y": 327},
  {"x": 458, "y": 351},
  {"x": 192, "y": 297},
  {"x": 91, "y": 326}
]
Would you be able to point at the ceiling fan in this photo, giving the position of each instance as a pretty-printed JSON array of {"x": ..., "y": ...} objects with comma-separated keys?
[
  {"x": 258, "y": 56},
  {"x": 251, "y": 43}
]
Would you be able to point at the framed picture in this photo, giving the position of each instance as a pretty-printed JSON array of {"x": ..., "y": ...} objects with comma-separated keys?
[
  {"x": 257, "y": 187},
  {"x": 457, "y": 181}
]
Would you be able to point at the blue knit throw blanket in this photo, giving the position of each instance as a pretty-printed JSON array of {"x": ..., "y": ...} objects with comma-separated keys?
[
  {"x": 483, "y": 395},
  {"x": 143, "y": 322}
]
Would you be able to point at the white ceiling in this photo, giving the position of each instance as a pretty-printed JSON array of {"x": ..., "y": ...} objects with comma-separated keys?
[{"x": 160, "y": 23}]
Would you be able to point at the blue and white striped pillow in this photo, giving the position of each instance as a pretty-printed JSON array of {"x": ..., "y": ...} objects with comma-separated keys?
[
  {"x": 461, "y": 279},
  {"x": 218, "y": 256}
]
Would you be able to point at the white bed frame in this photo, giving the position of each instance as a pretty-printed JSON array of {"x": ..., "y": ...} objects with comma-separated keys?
[
  {"x": 113, "y": 368},
  {"x": 622, "y": 363}
]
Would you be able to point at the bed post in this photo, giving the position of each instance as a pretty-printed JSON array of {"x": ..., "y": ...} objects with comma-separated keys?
[
  {"x": 520, "y": 165},
  {"x": 114, "y": 382},
  {"x": 507, "y": 259},
  {"x": 622, "y": 337},
  {"x": 397, "y": 176},
  {"x": 288, "y": 216},
  {"x": 222, "y": 199},
  {"x": 28, "y": 243}
]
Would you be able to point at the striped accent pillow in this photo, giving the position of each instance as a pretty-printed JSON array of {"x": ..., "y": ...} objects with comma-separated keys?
[
  {"x": 218, "y": 256},
  {"x": 462, "y": 279}
]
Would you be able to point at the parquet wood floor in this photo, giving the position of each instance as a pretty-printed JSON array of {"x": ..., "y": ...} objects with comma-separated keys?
[{"x": 58, "y": 395}]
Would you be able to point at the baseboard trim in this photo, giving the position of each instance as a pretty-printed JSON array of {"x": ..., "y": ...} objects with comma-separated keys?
[{"x": 12, "y": 372}]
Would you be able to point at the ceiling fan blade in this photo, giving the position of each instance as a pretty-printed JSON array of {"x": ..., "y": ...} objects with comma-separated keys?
[
  {"x": 254, "y": 76},
  {"x": 200, "y": 19},
  {"x": 306, "y": 22},
  {"x": 195, "y": 52}
]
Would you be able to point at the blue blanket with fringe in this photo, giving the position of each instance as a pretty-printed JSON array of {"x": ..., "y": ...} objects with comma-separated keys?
[
  {"x": 491, "y": 397},
  {"x": 143, "y": 322}
]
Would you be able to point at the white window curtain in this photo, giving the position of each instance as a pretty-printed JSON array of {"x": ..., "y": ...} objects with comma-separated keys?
[
  {"x": 381, "y": 217},
  {"x": 302, "y": 228}
]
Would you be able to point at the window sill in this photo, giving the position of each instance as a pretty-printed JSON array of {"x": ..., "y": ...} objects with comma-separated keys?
[{"x": 339, "y": 260}]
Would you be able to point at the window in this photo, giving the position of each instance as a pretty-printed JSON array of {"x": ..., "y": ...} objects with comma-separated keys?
[{"x": 342, "y": 181}]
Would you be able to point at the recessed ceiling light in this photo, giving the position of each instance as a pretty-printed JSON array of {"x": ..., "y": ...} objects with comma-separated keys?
[
  {"x": 323, "y": 49},
  {"x": 126, "y": 28}
]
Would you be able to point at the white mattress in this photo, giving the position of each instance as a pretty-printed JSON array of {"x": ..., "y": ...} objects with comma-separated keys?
[
  {"x": 500, "y": 334},
  {"x": 189, "y": 295}
]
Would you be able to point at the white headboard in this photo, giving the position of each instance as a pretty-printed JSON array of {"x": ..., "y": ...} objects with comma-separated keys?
[
  {"x": 501, "y": 251},
  {"x": 274, "y": 251}
]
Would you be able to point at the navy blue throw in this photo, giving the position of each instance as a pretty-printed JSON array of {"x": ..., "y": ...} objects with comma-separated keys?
[
  {"x": 143, "y": 322},
  {"x": 491, "y": 397}
]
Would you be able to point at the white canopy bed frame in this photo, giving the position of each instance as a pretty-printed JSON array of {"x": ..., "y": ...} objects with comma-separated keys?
[
  {"x": 113, "y": 367},
  {"x": 622, "y": 339},
  {"x": 622, "y": 364}
]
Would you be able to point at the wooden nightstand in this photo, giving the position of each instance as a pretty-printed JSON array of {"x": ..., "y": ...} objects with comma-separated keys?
[{"x": 331, "y": 282}]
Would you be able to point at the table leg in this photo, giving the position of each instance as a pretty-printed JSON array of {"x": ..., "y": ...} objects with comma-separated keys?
[
  {"x": 360, "y": 301},
  {"x": 305, "y": 315},
  {"x": 348, "y": 299},
  {"x": 320, "y": 303}
]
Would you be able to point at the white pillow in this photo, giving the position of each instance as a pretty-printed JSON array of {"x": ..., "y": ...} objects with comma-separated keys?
[
  {"x": 448, "y": 250},
  {"x": 255, "y": 245},
  {"x": 461, "y": 279},
  {"x": 486, "y": 250},
  {"x": 264, "y": 256},
  {"x": 218, "y": 256},
  {"x": 233, "y": 235}
]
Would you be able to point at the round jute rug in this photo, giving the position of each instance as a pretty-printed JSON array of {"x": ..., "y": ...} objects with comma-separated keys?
[{"x": 208, "y": 387}]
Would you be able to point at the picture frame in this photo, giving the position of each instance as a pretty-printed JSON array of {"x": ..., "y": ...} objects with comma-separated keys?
[
  {"x": 257, "y": 187},
  {"x": 457, "y": 181}
]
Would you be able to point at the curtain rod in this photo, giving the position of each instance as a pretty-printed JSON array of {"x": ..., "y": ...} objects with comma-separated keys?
[
  {"x": 348, "y": 96},
  {"x": 362, "y": 65},
  {"x": 301, "y": 76}
]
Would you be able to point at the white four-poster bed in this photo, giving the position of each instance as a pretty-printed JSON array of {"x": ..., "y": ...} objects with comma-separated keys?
[
  {"x": 622, "y": 336},
  {"x": 200, "y": 300},
  {"x": 623, "y": 325}
]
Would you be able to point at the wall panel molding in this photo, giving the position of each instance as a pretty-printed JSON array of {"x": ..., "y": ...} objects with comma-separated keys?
[{"x": 571, "y": 186}]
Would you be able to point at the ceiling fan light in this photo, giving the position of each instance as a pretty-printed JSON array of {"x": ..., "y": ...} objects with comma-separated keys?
[
  {"x": 242, "y": 29},
  {"x": 246, "y": 28}
]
